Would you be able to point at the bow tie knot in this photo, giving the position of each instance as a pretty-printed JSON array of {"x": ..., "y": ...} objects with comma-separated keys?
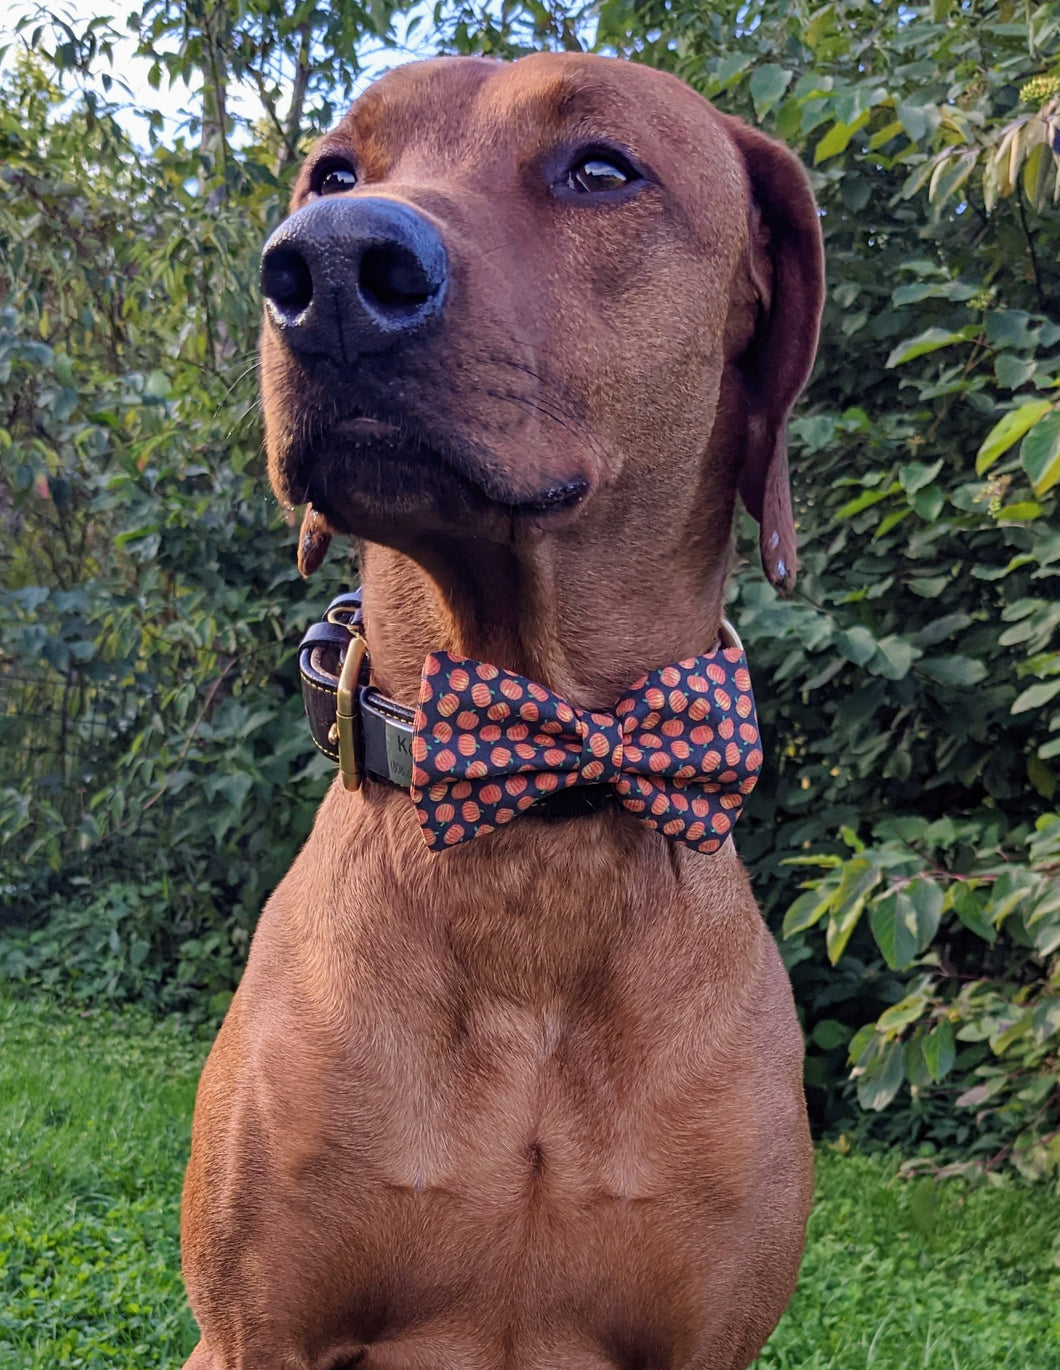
[
  {"x": 603, "y": 748},
  {"x": 681, "y": 749}
]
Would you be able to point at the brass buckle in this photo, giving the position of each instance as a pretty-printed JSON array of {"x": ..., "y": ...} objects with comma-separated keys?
[{"x": 347, "y": 703}]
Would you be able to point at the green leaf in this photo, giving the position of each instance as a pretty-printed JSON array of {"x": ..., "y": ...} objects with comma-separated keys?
[
  {"x": 893, "y": 923},
  {"x": 807, "y": 909},
  {"x": 235, "y": 787},
  {"x": 884, "y": 135},
  {"x": 927, "y": 900},
  {"x": 817, "y": 431},
  {"x": 865, "y": 1040},
  {"x": 940, "y": 1050},
  {"x": 1035, "y": 696},
  {"x": 856, "y": 191},
  {"x": 135, "y": 535},
  {"x": 1044, "y": 925},
  {"x": 938, "y": 629},
  {"x": 894, "y": 657},
  {"x": 837, "y": 138},
  {"x": 1012, "y": 371},
  {"x": 829, "y": 1033},
  {"x": 1046, "y": 1019},
  {"x": 1040, "y": 453},
  {"x": 866, "y": 500},
  {"x": 727, "y": 71},
  {"x": 916, "y": 1068},
  {"x": 881, "y": 1078},
  {"x": 918, "y": 120},
  {"x": 860, "y": 877},
  {"x": 1025, "y": 511},
  {"x": 929, "y": 341},
  {"x": 1014, "y": 1032},
  {"x": 970, "y": 909},
  {"x": 901, "y": 1015},
  {"x": 981, "y": 1094},
  {"x": 889, "y": 521},
  {"x": 915, "y": 475},
  {"x": 157, "y": 385},
  {"x": 1011, "y": 328},
  {"x": 928, "y": 587},
  {"x": 961, "y": 672},
  {"x": 931, "y": 290},
  {"x": 905, "y": 921},
  {"x": 928, "y": 503},
  {"x": 841, "y": 925},
  {"x": 857, "y": 644},
  {"x": 767, "y": 84}
]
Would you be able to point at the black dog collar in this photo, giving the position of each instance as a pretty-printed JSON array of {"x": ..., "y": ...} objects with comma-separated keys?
[
  {"x": 368, "y": 733},
  {"x": 352, "y": 722}
]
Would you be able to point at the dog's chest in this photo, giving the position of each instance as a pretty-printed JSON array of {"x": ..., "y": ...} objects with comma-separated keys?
[
  {"x": 514, "y": 1110},
  {"x": 524, "y": 1055},
  {"x": 518, "y": 1168},
  {"x": 515, "y": 1134},
  {"x": 464, "y": 1104}
]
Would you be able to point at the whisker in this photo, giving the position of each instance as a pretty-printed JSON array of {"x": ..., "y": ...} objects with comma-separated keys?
[{"x": 561, "y": 419}]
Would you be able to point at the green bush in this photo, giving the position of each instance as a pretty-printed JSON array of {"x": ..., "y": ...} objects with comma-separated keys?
[{"x": 158, "y": 777}]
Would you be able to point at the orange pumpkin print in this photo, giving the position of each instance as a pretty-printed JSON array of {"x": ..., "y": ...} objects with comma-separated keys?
[{"x": 681, "y": 748}]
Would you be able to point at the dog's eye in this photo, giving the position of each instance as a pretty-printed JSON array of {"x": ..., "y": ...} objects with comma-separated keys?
[
  {"x": 598, "y": 173},
  {"x": 333, "y": 178}
]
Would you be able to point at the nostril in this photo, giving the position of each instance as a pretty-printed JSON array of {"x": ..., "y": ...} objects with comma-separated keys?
[
  {"x": 286, "y": 280},
  {"x": 393, "y": 280}
]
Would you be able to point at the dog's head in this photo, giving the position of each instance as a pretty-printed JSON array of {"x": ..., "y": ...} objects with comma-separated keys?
[{"x": 509, "y": 294}]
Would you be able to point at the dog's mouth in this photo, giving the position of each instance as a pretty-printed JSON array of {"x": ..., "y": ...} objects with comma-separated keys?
[{"x": 366, "y": 469}]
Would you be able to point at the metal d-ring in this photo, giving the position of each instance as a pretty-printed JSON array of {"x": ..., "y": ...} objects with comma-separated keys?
[{"x": 729, "y": 636}]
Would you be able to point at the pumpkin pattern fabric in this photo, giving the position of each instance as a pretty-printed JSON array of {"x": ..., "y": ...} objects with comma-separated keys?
[{"x": 681, "y": 748}]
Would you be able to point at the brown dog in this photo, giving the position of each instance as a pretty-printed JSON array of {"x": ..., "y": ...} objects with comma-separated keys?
[{"x": 534, "y": 1102}]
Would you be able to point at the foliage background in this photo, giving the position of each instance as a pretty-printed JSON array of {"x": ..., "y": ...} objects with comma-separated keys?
[{"x": 156, "y": 775}]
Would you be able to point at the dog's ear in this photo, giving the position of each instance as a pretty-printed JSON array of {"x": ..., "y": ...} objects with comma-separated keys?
[{"x": 786, "y": 267}]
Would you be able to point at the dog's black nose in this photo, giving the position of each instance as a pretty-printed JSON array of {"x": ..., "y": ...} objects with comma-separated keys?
[{"x": 346, "y": 276}]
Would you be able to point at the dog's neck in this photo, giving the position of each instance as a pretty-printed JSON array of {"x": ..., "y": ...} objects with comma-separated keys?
[{"x": 531, "y": 607}]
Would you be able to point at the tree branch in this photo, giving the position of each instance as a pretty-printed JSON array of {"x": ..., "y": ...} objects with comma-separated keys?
[
  {"x": 1039, "y": 292},
  {"x": 293, "y": 132}
]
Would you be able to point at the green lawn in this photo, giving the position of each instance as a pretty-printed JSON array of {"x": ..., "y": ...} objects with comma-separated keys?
[{"x": 94, "y": 1112}]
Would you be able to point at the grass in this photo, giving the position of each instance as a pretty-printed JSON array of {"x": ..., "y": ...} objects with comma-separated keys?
[{"x": 94, "y": 1115}]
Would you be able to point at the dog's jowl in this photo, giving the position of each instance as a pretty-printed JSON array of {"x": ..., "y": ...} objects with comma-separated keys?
[{"x": 513, "y": 1077}]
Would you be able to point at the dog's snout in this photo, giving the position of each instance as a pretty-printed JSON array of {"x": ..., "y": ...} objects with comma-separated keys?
[
  {"x": 393, "y": 281},
  {"x": 286, "y": 281},
  {"x": 346, "y": 276}
]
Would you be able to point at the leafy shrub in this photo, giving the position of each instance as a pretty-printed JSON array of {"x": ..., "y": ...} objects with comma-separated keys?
[
  {"x": 982, "y": 1006},
  {"x": 154, "y": 741},
  {"x": 125, "y": 942}
]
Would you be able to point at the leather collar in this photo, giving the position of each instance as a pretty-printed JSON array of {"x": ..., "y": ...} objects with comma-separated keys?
[
  {"x": 380, "y": 737},
  {"x": 367, "y": 733}
]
